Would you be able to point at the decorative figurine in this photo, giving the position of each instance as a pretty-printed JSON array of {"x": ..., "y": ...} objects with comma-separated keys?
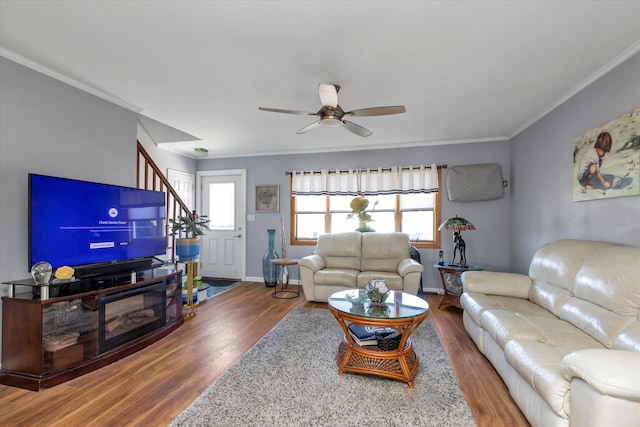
[{"x": 460, "y": 248}]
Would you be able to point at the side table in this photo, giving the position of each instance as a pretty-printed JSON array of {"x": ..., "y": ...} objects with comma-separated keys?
[
  {"x": 451, "y": 281},
  {"x": 285, "y": 292}
]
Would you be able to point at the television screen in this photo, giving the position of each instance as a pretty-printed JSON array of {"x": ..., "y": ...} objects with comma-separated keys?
[{"x": 78, "y": 223}]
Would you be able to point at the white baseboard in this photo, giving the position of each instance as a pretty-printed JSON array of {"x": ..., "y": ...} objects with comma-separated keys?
[
  {"x": 439, "y": 291},
  {"x": 261, "y": 280}
]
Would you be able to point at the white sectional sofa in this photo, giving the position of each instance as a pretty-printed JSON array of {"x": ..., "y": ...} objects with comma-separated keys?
[
  {"x": 349, "y": 260},
  {"x": 566, "y": 338}
]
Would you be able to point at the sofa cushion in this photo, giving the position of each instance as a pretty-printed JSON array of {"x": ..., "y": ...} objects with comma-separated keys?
[
  {"x": 628, "y": 338},
  {"x": 384, "y": 251},
  {"x": 393, "y": 280},
  {"x": 553, "y": 269},
  {"x": 600, "y": 323},
  {"x": 609, "y": 278},
  {"x": 558, "y": 262},
  {"x": 336, "y": 277},
  {"x": 549, "y": 296},
  {"x": 475, "y": 304},
  {"x": 539, "y": 364},
  {"x": 504, "y": 326},
  {"x": 341, "y": 250}
]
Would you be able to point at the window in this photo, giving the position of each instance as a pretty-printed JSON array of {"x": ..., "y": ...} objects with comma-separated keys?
[{"x": 416, "y": 214}]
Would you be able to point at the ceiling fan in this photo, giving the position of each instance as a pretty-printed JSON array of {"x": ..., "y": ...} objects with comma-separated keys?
[{"x": 332, "y": 115}]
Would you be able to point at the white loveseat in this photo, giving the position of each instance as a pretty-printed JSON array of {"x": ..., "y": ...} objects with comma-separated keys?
[
  {"x": 566, "y": 338},
  {"x": 349, "y": 260}
]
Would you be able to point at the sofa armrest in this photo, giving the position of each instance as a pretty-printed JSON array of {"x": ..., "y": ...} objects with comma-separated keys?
[
  {"x": 409, "y": 265},
  {"x": 312, "y": 262},
  {"x": 610, "y": 372},
  {"x": 497, "y": 283}
]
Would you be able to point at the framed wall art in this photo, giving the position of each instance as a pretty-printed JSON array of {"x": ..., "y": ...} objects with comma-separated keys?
[
  {"x": 606, "y": 160},
  {"x": 267, "y": 198}
]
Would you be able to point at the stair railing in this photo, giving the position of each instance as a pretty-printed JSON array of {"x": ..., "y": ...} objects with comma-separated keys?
[{"x": 150, "y": 177}]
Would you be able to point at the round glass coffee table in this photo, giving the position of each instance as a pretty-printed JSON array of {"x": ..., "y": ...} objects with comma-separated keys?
[{"x": 400, "y": 312}]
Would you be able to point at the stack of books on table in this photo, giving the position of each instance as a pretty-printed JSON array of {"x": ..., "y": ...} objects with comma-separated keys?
[{"x": 366, "y": 335}]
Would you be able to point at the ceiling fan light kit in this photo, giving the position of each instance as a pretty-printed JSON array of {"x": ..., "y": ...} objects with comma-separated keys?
[{"x": 332, "y": 115}]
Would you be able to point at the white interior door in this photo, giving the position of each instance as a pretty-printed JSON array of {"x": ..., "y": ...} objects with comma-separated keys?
[
  {"x": 184, "y": 184},
  {"x": 223, "y": 200}
]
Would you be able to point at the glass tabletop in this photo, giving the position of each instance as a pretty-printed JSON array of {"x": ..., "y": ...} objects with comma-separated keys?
[{"x": 398, "y": 305}]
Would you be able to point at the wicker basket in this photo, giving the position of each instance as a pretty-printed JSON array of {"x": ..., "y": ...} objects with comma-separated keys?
[{"x": 389, "y": 342}]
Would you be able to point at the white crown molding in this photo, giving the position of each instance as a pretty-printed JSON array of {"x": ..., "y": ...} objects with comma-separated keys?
[
  {"x": 626, "y": 54},
  {"x": 213, "y": 155},
  {"x": 12, "y": 56}
]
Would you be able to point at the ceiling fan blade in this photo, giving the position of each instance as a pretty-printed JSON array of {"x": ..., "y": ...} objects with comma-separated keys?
[
  {"x": 376, "y": 111},
  {"x": 310, "y": 127},
  {"x": 328, "y": 94},
  {"x": 357, "y": 129},
  {"x": 279, "y": 110}
]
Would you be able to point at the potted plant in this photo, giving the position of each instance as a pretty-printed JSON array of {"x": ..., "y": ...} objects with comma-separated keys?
[
  {"x": 202, "y": 288},
  {"x": 185, "y": 294},
  {"x": 187, "y": 229}
]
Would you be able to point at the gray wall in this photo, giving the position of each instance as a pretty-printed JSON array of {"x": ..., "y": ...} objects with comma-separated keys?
[
  {"x": 542, "y": 209},
  {"x": 488, "y": 245},
  {"x": 51, "y": 128}
]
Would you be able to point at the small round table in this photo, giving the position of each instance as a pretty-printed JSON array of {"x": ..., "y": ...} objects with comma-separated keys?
[
  {"x": 400, "y": 311},
  {"x": 284, "y": 292},
  {"x": 452, "y": 282}
]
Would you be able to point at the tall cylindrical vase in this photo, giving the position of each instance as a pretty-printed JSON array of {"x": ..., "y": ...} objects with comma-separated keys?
[{"x": 270, "y": 271}]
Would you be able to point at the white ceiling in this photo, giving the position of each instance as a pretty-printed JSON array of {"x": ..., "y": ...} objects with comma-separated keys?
[{"x": 467, "y": 71}]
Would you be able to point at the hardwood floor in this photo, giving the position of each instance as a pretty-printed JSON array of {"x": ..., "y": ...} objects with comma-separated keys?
[{"x": 151, "y": 387}]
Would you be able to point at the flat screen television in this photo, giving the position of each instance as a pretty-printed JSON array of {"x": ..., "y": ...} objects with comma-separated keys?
[{"x": 91, "y": 226}]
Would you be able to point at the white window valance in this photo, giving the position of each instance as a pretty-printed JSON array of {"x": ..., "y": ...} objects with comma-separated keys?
[{"x": 391, "y": 180}]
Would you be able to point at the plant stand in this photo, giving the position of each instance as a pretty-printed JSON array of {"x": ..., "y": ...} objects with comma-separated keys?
[{"x": 190, "y": 308}]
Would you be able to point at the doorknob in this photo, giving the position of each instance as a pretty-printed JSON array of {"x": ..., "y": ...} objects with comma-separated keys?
[{"x": 238, "y": 235}]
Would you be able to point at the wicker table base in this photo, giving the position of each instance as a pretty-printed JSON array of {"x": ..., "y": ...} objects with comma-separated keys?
[
  {"x": 405, "y": 313},
  {"x": 399, "y": 365}
]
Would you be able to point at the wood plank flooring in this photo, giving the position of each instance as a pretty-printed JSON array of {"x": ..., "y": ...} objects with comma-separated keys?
[{"x": 151, "y": 387}]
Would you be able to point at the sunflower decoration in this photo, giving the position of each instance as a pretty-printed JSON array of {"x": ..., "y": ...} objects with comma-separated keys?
[
  {"x": 358, "y": 207},
  {"x": 64, "y": 273}
]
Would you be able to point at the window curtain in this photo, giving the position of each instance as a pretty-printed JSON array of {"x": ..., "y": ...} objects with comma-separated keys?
[
  {"x": 393, "y": 180},
  {"x": 324, "y": 182}
]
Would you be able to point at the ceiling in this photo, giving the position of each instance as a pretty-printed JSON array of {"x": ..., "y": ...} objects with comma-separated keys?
[{"x": 466, "y": 71}]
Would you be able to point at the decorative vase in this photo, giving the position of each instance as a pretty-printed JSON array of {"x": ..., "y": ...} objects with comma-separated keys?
[
  {"x": 270, "y": 271},
  {"x": 376, "y": 290},
  {"x": 187, "y": 249}
]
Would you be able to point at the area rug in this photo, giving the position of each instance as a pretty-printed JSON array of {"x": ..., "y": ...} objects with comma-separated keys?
[
  {"x": 218, "y": 286},
  {"x": 290, "y": 378}
]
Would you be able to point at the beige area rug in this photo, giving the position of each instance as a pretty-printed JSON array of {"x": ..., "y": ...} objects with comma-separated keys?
[{"x": 290, "y": 378}]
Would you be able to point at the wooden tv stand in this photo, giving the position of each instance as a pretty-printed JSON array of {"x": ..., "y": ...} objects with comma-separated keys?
[{"x": 70, "y": 329}]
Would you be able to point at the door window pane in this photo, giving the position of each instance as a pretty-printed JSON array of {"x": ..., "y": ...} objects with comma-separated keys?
[{"x": 222, "y": 206}]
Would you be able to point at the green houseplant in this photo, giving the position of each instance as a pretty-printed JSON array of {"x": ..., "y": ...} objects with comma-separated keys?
[{"x": 187, "y": 228}]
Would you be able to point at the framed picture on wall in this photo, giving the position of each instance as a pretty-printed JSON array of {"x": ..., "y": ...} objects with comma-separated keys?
[
  {"x": 267, "y": 198},
  {"x": 606, "y": 160}
]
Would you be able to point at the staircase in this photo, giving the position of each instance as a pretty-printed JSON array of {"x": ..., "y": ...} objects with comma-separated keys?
[{"x": 150, "y": 177}]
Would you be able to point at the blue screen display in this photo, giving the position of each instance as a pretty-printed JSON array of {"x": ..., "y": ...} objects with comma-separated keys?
[{"x": 77, "y": 222}]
